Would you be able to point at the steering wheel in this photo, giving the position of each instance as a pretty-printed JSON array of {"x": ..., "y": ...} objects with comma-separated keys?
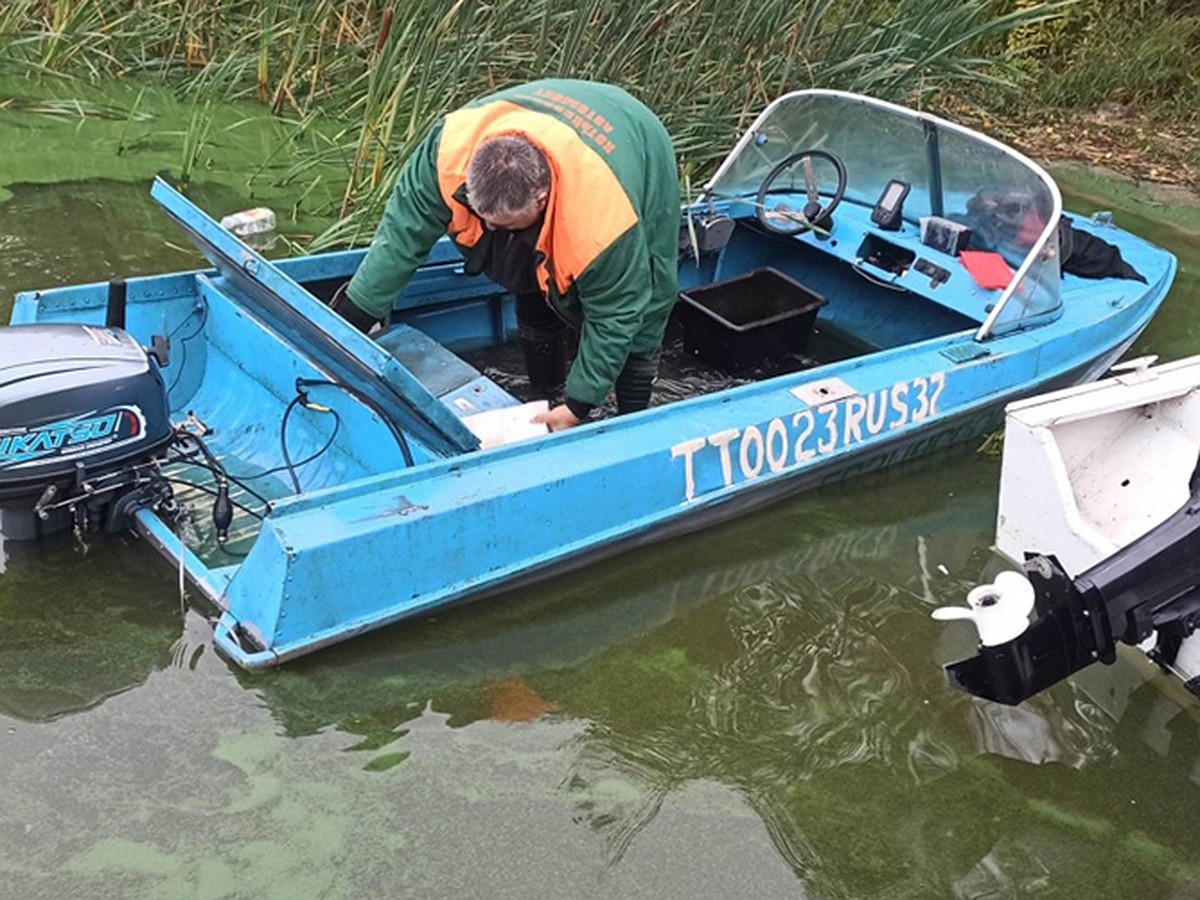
[{"x": 782, "y": 218}]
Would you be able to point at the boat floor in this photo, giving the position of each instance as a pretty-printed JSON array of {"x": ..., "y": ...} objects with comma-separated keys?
[{"x": 681, "y": 375}]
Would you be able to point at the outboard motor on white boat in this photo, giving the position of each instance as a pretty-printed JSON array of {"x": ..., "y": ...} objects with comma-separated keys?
[{"x": 1147, "y": 589}]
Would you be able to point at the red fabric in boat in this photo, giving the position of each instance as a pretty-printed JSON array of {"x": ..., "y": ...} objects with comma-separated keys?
[{"x": 989, "y": 270}]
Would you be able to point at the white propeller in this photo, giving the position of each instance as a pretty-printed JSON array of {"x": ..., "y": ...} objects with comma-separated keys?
[{"x": 1000, "y": 611}]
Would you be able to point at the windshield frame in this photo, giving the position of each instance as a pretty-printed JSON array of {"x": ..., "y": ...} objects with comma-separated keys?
[{"x": 1024, "y": 280}]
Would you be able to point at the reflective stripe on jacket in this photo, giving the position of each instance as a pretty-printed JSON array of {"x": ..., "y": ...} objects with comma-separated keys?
[{"x": 609, "y": 242}]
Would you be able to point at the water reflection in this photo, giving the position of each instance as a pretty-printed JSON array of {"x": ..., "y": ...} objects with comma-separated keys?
[
  {"x": 767, "y": 663},
  {"x": 820, "y": 693},
  {"x": 824, "y": 710},
  {"x": 81, "y": 623},
  {"x": 792, "y": 659},
  {"x": 115, "y": 229}
]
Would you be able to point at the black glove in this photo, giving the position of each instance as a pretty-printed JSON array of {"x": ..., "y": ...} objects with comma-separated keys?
[{"x": 352, "y": 313}]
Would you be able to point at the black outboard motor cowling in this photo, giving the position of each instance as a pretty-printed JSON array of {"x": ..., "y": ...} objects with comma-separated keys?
[{"x": 77, "y": 403}]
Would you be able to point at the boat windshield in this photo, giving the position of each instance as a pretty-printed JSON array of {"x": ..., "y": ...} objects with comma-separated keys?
[{"x": 1009, "y": 202}]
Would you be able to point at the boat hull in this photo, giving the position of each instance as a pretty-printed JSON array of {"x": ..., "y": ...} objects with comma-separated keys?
[{"x": 330, "y": 566}]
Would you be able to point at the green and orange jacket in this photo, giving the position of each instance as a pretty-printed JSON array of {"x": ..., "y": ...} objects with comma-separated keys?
[{"x": 608, "y": 247}]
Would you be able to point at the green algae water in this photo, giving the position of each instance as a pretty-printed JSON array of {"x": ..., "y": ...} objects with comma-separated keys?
[{"x": 754, "y": 711}]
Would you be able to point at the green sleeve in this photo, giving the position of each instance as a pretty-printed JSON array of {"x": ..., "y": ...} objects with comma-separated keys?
[
  {"x": 413, "y": 220},
  {"x": 614, "y": 292}
]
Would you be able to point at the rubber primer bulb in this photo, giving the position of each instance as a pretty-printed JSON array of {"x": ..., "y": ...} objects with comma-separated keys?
[{"x": 222, "y": 511}]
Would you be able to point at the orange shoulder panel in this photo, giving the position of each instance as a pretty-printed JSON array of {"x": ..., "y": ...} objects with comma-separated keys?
[{"x": 588, "y": 208}]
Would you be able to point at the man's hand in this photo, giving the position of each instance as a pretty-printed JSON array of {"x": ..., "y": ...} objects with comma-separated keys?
[
  {"x": 558, "y": 419},
  {"x": 350, "y": 311}
]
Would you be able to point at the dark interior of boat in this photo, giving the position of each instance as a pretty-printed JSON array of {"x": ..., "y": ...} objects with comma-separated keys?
[{"x": 756, "y": 306}]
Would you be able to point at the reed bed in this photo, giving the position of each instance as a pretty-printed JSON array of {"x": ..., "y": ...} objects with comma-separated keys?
[{"x": 383, "y": 72}]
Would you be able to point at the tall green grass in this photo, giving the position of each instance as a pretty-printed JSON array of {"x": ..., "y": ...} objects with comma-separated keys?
[
  {"x": 1137, "y": 52},
  {"x": 385, "y": 72}
]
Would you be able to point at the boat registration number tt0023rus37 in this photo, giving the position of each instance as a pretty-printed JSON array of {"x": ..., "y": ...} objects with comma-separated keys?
[{"x": 807, "y": 434}]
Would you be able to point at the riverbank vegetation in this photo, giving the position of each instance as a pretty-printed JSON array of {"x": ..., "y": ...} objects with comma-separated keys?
[
  {"x": 1106, "y": 82},
  {"x": 362, "y": 81}
]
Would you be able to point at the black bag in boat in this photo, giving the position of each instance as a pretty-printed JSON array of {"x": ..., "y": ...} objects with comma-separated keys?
[{"x": 1088, "y": 256}]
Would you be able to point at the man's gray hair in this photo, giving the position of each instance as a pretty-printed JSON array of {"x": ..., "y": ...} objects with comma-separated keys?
[{"x": 505, "y": 176}]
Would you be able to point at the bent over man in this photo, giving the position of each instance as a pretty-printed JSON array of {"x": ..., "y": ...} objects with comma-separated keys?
[{"x": 566, "y": 194}]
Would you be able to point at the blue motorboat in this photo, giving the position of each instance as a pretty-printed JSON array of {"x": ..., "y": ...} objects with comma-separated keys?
[{"x": 860, "y": 284}]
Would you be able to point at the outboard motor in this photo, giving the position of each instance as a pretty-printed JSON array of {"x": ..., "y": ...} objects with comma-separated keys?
[
  {"x": 1147, "y": 590},
  {"x": 83, "y": 421}
]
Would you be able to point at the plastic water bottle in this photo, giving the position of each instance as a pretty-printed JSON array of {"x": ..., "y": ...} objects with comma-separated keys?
[{"x": 259, "y": 220}]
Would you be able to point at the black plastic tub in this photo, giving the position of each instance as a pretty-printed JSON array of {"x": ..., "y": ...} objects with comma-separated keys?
[{"x": 756, "y": 318}]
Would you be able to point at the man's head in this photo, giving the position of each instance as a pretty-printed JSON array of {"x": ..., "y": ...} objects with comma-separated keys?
[{"x": 508, "y": 182}]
